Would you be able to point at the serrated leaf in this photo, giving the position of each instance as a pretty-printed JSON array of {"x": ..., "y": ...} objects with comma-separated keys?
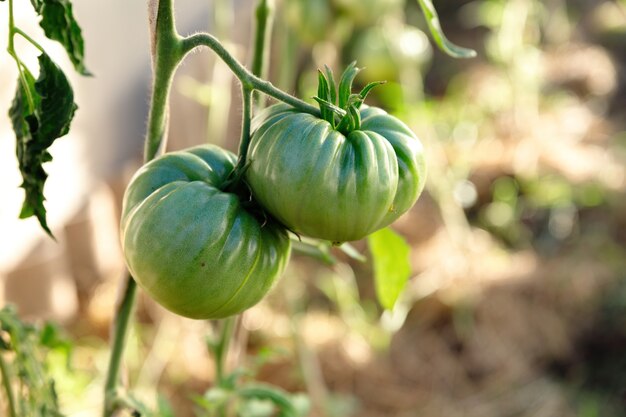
[
  {"x": 59, "y": 24},
  {"x": 390, "y": 256},
  {"x": 432, "y": 20},
  {"x": 37, "y": 128}
]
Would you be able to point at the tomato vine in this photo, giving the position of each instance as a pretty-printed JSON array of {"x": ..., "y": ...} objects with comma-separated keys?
[{"x": 39, "y": 118}]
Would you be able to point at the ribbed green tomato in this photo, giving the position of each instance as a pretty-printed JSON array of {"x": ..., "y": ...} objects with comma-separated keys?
[
  {"x": 193, "y": 247},
  {"x": 325, "y": 184}
]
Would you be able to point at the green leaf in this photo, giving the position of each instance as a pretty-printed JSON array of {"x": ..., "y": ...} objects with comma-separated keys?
[
  {"x": 278, "y": 397},
  {"x": 37, "y": 128},
  {"x": 365, "y": 91},
  {"x": 59, "y": 24},
  {"x": 331, "y": 84},
  {"x": 390, "y": 255},
  {"x": 37, "y": 4},
  {"x": 432, "y": 20},
  {"x": 345, "y": 84},
  {"x": 323, "y": 92}
]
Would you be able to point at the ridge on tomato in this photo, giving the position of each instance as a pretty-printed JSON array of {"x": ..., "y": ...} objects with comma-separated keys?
[
  {"x": 339, "y": 177},
  {"x": 193, "y": 247}
]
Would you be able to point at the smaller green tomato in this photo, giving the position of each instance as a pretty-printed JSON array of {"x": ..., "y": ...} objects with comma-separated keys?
[
  {"x": 367, "y": 12},
  {"x": 195, "y": 248},
  {"x": 386, "y": 50}
]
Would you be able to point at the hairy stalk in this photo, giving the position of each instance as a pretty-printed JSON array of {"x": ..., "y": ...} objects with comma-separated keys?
[
  {"x": 244, "y": 142},
  {"x": 6, "y": 381},
  {"x": 248, "y": 79},
  {"x": 168, "y": 49},
  {"x": 262, "y": 36},
  {"x": 166, "y": 55}
]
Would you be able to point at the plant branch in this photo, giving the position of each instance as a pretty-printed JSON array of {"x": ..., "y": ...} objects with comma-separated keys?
[
  {"x": 6, "y": 381},
  {"x": 120, "y": 329},
  {"x": 248, "y": 79},
  {"x": 29, "y": 39},
  {"x": 166, "y": 55},
  {"x": 221, "y": 348},
  {"x": 262, "y": 35},
  {"x": 20, "y": 66},
  {"x": 244, "y": 142}
]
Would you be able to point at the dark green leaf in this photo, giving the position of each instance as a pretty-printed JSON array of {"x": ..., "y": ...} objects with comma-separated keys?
[
  {"x": 390, "y": 255},
  {"x": 432, "y": 20},
  {"x": 59, "y": 24},
  {"x": 37, "y": 128},
  {"x": 345, "y": 85},
  {"x": 37, "y": 4}
]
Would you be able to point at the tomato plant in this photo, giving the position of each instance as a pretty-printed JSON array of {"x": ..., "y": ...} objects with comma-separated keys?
[
  {"x": 194, "y": 247},
  {"x": 193, "y": 237},
  {"x": 335, "y": 180}
]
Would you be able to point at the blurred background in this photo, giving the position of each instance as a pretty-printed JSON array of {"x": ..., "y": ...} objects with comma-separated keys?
[{"x": 517, "y": 301}]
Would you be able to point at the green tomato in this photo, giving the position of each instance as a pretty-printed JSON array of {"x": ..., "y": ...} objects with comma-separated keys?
[
  {"x": 387, "y": 50},
  {"x": 328, "y": 185},
  {"x": 193, "y": 247}
]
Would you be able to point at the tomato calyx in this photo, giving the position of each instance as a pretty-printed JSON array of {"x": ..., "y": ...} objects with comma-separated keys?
[{"x": 338, "y": 105}]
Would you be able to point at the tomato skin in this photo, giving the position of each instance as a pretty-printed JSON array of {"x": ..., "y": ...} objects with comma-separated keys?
[
  {"x": 192, "y": 247},
  {"x": 325, "y": 185}
]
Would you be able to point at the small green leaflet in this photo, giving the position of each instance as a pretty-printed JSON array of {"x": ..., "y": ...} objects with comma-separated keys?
[
  {"x": 432, "y": 20},
  {"x": 59, "y": 24},
  {"x": 390, "y": 255},
  {"x": 37, "y": 128}
]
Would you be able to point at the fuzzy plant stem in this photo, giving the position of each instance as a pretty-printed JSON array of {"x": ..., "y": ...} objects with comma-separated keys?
[{"x": 168, "y": 49}]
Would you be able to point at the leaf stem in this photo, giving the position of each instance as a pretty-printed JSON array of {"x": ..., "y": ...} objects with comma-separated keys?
[
  {"x": 6, "y": 381},
  {"x": 29, "y": 39},
  {"x": 434, "y": 26},
  {"x": 120, "y": 329},
  {"x": 11, "y": 50}
]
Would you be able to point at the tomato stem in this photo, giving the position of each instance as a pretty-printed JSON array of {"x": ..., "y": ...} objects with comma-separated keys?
[
  {"x": 168, "y": 49},
  {"x": 120, "y": 329},
  {"x": 262, "y": 34},
  {"x": 246, "y": 117},
  {"x": 247, "y": 78}
]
